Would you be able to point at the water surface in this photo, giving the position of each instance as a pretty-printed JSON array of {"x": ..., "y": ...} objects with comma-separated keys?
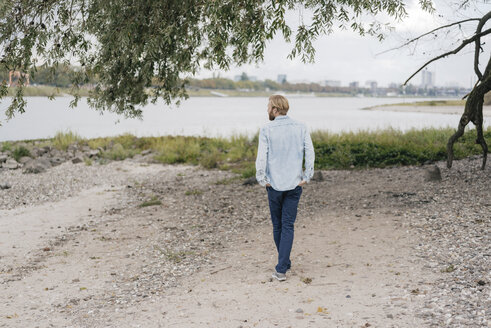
[{"x": 210, "y": 116}]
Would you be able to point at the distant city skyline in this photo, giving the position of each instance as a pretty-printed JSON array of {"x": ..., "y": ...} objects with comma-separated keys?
[
  {"x": 347, "y": 57},
  {"x": 427, "y": 79}
]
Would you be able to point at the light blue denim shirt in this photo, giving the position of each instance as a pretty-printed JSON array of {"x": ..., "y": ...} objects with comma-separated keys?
[{"x": 282, "y": 146}]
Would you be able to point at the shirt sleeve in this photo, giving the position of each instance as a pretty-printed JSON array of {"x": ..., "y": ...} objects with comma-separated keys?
[
  {"x": 309, "y": 157},
  {"x": 262, "y": 158}
]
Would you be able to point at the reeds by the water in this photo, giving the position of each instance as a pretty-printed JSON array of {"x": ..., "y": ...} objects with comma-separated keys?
[{"x": 363, "y": 149}]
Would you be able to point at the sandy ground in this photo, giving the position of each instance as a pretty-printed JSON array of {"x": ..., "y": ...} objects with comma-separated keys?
[
  {"x": 26, "y": 229},
  {"x": 65, "y": 263},
  {"x": 459, "y": 110},
  {"x": 358, "y": 277}
]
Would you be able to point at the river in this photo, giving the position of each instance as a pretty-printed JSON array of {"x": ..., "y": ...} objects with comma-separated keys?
[{"x": 210, "y": 116}]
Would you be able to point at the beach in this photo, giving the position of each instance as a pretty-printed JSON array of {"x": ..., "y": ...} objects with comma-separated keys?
[{"x": 377, "y": 247}]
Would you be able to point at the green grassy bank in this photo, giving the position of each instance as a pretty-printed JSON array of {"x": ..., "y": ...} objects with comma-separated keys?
[
  {"x": 238, "y": 153},
  {"x": 454, "y": 102},
  {"x": 436, "y": 103},
  {"x": 46, "y": 91}
]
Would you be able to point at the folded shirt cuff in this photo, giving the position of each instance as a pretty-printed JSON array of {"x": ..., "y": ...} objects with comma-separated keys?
[{"x": 262, "y": 182}]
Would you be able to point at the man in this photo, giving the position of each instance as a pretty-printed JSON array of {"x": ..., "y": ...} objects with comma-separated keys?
[{"x": 283, "y": 142}]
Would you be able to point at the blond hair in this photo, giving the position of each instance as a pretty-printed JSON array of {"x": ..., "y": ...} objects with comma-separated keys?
[{"x": 280, "y": 103}]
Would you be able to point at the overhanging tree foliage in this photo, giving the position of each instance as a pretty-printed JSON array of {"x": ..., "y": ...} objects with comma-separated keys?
[{"x": 133, "y": 45}]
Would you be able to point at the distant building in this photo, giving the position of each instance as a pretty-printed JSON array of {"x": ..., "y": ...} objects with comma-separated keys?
[
  {"x": 452, "y": 84},
  {"x": 354, "y": 85},
  {"x": 281, "y": 78},
  {"x": 394, "y": 85},
  {"x": 332, "y": 83},
  {"x": 427, "y": 79},
  {"x": 372, "y": 85}
]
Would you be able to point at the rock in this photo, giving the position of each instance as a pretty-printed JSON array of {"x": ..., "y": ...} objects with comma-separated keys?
[
  {"x": 56, "y": 160},
  {"x": 94, "y": 152},
  {"x": 47, "y": 149},
  {"x": 146, "y": 152},
  {"x": 36, "y": 152},
  {"x": 11, "y": 164},
  {"x": 25, "y": 159},
  {"x": 78, "y": 159},
  {"x": 37, "y": 166},
  {"x": 78, "y": 154},
  {"x": 433, "y": 174},
  {"x": 72, "y": 148},
  {"x": 318, "y": 176},
  {"x": 299, "y": 311},
  {"x": 5, "y": 186},
  {"x": 3, "y": 158},
  {"x": 250, "y": 181}
]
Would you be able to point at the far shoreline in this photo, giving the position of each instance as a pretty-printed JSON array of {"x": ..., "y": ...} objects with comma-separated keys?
[
  {"x": 55, "y": 92},
  {"x": 448, "y": 110}
]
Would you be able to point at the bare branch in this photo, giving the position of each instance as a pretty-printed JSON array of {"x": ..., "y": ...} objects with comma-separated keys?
[
  {"x": 482, "y": 22},
  {"x": 453, "y": 52},
  {"x": 425, "y": 34}
]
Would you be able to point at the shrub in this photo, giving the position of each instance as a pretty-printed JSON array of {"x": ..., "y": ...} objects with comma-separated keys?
[
  {"x": 19, "y": 152},
  {"x": 390, "y": 147},
  {"x": 62, "y": 140},
  {"x": 178, "y": 150},
  {"x": 6, "y": 145},
  {"x": 118, "y": 152}
]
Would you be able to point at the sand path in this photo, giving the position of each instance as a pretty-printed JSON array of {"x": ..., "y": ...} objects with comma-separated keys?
[{"x": 348, "y": 271}]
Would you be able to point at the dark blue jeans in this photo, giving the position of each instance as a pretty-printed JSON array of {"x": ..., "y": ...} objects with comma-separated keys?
[{"x": 283, "y": 207}]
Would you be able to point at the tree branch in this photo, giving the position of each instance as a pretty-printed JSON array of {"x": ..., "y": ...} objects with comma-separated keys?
[
  {"x": 425, "y": 34},
  {"x": 483, "y": 21},
  {"x": 453, "y": 52}
]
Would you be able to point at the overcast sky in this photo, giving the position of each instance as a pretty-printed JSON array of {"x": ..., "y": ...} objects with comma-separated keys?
[{"x": 346, "y": 56}]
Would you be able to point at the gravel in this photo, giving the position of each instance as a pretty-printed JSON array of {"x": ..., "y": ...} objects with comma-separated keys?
[{"x": 207, "y": 210}]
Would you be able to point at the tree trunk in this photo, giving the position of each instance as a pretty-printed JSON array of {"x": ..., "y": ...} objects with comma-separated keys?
[{"x": 473, "y": 113}]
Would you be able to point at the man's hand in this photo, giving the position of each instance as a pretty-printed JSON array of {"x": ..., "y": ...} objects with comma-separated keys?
[
  {"x": 302, "y": 183},
  {"x": 268, "y": 185}
]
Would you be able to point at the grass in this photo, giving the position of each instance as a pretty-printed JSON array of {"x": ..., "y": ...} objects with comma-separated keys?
[
  {"x": 227, "y": 181},
  {"x": 46, "y": 91},
  {"x": 62, "y": 140},
  {"x": 195, "y": 192},
  {"x": 6, "y": 145},
  {"x": 20, "y": 151},
  {"x": 153, "y": 201},
  {"x": 174, "y": 256},
  {"x": 229, "y": 93},
  {"x": 390, "y": 147},
  {"x": 256, "y": 93},
  {"x": 363, "y": 149},
  {"x": 456, "y": 102}
]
